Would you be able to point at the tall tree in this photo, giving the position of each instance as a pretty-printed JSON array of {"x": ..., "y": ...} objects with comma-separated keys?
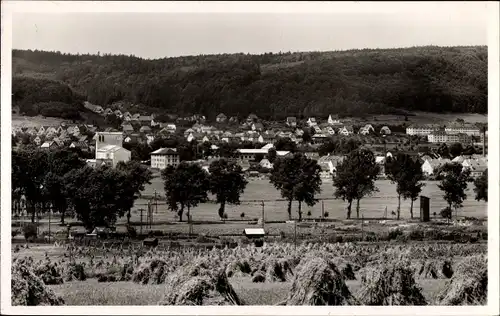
[
  {"x": 285, "y": 144},
  {"x": 137, "y": 177},
  {"x": 271, "y": 155},
  {"x": 453, "y": 184},
  {"x": 481, "y": 187},
  {"x": 285, "y": 178},
  {"x": 185, "y": 187},
  {"x": 227, "y": 183},
  {"x": 309, "y": 183},
  {"x": 456, "y": 150},
  {"x": 408, "y": 176},
  {"x": 355, "y": 177}
]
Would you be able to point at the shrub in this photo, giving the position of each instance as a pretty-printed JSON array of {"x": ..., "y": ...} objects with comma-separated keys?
[
  {"x": 326, "y": 214},
  {"x": 131, "y": 231},
  {"x": 30, "y": 231},
  {"x": 395, "y": 233},
  {"x": 446, "y": 213},
  {"x": 242, "y": 215}
]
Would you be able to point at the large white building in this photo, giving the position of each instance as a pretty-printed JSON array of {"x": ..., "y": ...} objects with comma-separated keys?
[
  {"x": 422, "y": 130},
  {"x": 443, "y": 137},
  {"x": 164, "y": 157},
  {"x": 109, "y": 150},
  {"x": 458, "y": 128}
]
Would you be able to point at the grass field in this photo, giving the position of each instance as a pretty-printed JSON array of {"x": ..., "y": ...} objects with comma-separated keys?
[
  {"x": 371, "y": 207},
  {"x": 91, "y": 292},
  {"x": 35, "y": 121}
]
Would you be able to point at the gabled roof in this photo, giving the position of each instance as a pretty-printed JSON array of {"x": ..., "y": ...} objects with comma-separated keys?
[
  {"x": 110, "y": 148},
  {"x": 165, "y": 151}
]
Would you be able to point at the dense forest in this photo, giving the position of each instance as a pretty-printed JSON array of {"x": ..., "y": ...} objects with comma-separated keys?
[{"x": 380, "y": 81}]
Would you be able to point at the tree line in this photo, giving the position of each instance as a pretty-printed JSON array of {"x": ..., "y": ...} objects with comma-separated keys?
[
  {"x": 61, "y": 181},
  {"x": 446, "y": 79}
]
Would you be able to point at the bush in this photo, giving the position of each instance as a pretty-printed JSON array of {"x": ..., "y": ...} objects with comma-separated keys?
[
  {"x": 446, "y": 213},
  {"x": 242, "y": 215},
  {"x": 395, "y": 233},
  {"x": 132, "y": 232},
  {"x": 30, "y": 231},
  {"x": 326, "y": 214}
]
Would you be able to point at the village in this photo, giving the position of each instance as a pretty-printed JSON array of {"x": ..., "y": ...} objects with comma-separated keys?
[{"x": 108, "y": 145}]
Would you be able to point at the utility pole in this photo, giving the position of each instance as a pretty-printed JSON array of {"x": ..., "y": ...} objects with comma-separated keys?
[
  {"x": 141, "y": 219},
  {"x": 362, "y": 227},
  {"x": 263, "y": 219},
  {"x": 50, "y": 211},
  {"x": 295, "y": 235}
]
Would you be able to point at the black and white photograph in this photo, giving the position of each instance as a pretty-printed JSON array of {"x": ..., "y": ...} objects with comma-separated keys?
[{"x": 332, "y": 155}]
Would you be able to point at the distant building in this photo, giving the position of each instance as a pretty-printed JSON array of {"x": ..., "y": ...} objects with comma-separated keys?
[
  {"x": 422, "y": 130},
  {"x": 164, "y": 157},
  {"x": 333, "y": 120},
  {"x": 221, "y": 118},
  {"x": 291, "y": 121},
  {"x": 49, "y": 145},
  {"x": 385, "y": 131},
  {"x": 443, "y": 137},
  {"x": 108, "y": 138},
  {"x": 112, "y": 154},
  {"x": 461, "y": 128},
  {"x": 367, "y": 129},
  {"x": 346, "y": 130},
  {"x": 312, "y": 122}
]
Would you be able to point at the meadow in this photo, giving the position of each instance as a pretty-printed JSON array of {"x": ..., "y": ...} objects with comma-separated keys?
[
  {"x": 275, "y": 274},
  {"x": 370, "y": 207}
]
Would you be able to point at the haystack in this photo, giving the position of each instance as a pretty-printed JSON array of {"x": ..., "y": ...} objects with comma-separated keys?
[
  {"x": 49, "y": 272},
  {"x": 29, "y": 290},
  {"x": 436, "y": 269},
  {"x": 319, "y": 282},
  {"x": 238, "y": 268},
  {"x": 199, "y": 283},
  {"x": 469, "y": 284},
  {"x": 153, "y": 271},
  {"x": 390, "y": 284},
  {"x": 75, "y": 271}
]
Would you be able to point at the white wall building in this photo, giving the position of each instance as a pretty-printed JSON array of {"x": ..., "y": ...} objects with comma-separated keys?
[
  {"x": 422, "y": 130},
  {"x": 112, "y": 154},
  {"x": 164, "y": 157}
]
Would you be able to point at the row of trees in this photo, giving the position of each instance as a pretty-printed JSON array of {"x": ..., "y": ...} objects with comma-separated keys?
[
  {"x": 298, "y": 179},
  {"x": 60, "y": 180},
  {"x": 277, "y": 85}
]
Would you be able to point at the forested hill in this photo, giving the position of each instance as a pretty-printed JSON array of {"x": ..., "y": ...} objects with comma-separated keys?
[{"x": 444, "y": 79}]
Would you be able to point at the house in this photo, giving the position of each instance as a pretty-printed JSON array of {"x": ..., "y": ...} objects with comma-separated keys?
[
  {"x": 329, "y": 130},
  {"x": 380, "y": 161},
  {"x": 367, "y": 129},
  {"x": 257, "y": 127},
  {"x": 164, "y": 157},
  {"x": 145, "y": 129},
  {"x": 319, "y": 138},
  {"x": 346, "y": 130},
  {"x": 252, "y": 118},
  {"x": 150, "y": 139},
  {"x": 127, "y": 128},
  {"x": 118, "y": 113},
  {"x": 135, "y": 117},
  {"x": 41, "y": 130},
  {"x": 80, "y": 145},
  {"x": 37, "y": 140},
  {"x": 317, "y": 129},
  {"x": 422, "y": 130},
  {"x": 50, "y": 145},
  {"x": 145, "y": 119},
  {"x": 60, "y": 129},
  {"x": 443, "y": 137},
  {"x": 385, "y": 131},
  {"x": 431, "y": 166},
  {"x": 127, "y": 116},
  {"x": 112, "y": 154},
  {"x": 475, "y": 166},
  {"x": 188, "y": 131},
  {"x": 329, "y": 163},
  {"x": 333, "y": 119},
  {"x": 291, "y": 121},
  {"x": 311, "y": 121},
  {"x": 299, "y": 132},
  {"x": 265, "y": 163},
  {"x": 221, "y": 118},
  {"x": 108, "y": 111},
  {"x": 233, "y": 119}
]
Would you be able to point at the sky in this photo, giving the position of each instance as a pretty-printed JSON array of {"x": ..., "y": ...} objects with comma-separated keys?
[{"x": 157, "y": 35}]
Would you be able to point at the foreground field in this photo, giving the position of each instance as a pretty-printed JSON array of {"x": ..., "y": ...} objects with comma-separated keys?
[{"x": 275, "y": 274}]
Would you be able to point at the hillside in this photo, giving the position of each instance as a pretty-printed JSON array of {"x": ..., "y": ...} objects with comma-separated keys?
[{"x": 382, "y": 81}]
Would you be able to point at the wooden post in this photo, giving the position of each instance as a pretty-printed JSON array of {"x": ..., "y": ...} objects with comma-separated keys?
[
  {"x": 141, "y": 210},
  {"x": 295, "y": 235},
  {"x": 263, "y": 219},
  {"x": 362, "y": 227},
  {"x": 322, "y": 210}
]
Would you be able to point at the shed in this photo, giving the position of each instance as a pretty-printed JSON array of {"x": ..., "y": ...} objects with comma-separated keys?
[{"x": 254, "y": 232}]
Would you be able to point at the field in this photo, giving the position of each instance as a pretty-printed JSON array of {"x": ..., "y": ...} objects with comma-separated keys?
[
  {"x": 426, "y": 118},
  {"x": 35, "y": 121},
  {"x": 371, "y": 207},
  {"x": 270, "y": 275}
]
